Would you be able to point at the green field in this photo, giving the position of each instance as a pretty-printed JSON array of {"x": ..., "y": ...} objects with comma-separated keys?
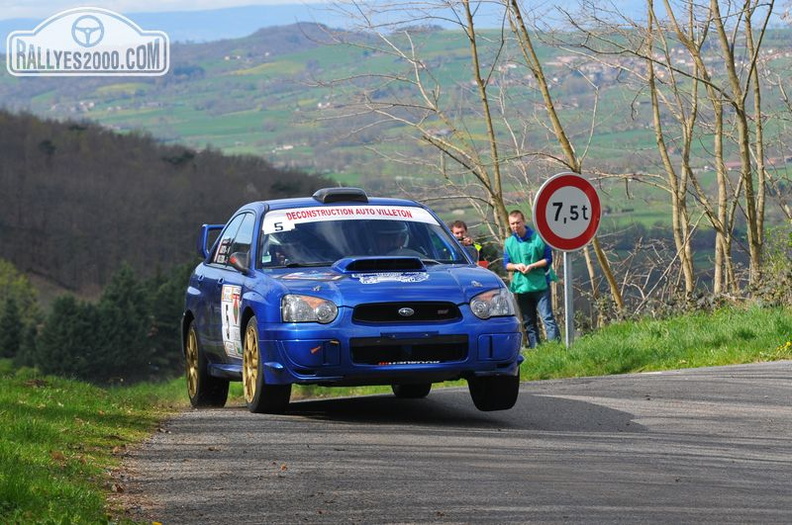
[{"x": 242, "y": 100}]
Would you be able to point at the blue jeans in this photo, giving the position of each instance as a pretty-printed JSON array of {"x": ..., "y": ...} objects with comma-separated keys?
[
  {"x": 545, "y": 309},
  {"x": 534, "y": 306}
]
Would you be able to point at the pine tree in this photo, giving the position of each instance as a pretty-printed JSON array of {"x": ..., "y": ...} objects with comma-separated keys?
[
  {"x": 167, "y": 306},
  {"x": 67, "y": 343},
  {"x": 123, "y": 329},
  {"x": 100, "y": 343},
  {"x": 27, "y": 346},
  {"x": 10, "y": 329}
]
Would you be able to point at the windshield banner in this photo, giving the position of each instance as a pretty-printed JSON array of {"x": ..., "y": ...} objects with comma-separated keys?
[{"x": 285, "y": 220}]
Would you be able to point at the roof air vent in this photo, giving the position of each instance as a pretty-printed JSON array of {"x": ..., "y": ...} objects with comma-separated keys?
[{"x": 328, "y": 195}]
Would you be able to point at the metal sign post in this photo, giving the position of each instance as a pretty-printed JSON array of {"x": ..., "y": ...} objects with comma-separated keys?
[
  {"x": 569, "y": 309},
  {"x": 566, "y": 213}
]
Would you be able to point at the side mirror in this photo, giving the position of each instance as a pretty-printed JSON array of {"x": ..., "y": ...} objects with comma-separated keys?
[{"x": 240, "y": 261}]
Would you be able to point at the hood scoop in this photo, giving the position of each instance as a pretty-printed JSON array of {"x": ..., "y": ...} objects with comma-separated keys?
[{"x": 379, "y": 264}]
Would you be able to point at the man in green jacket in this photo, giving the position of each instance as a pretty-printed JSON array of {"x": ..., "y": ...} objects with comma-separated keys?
[{"x": 529, "y": 258}]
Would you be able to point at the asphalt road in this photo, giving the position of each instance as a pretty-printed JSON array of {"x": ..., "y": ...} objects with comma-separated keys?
[{"x": 707, "y": 445}]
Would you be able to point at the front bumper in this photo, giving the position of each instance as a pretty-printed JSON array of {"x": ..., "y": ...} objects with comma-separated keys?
[{"x": 380, "y": 356}]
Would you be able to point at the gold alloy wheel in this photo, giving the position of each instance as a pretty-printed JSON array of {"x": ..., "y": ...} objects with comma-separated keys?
[
  {"x": 191, "y": 357},
  {"x": 250, "y": 362}
]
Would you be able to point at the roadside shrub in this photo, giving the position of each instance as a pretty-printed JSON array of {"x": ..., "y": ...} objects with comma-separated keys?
[{"x": 776, "y": 287}]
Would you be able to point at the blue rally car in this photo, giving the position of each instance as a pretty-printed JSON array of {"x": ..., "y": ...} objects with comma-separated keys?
[{"x": 341, "y": 289}]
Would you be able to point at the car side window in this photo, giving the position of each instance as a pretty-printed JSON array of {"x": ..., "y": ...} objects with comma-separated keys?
[
  {"x": 236, "y": 237},
  {"x": 244, "y": 236}
]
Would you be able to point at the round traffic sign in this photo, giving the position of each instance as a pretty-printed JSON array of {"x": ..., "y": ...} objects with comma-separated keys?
[{"x": 566, "y": 211}]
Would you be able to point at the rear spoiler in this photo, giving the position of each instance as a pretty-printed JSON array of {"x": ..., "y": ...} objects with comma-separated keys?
[{"x": 203, "y": 239}]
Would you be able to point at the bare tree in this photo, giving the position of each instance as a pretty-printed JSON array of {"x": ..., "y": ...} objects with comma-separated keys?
[
  {"x": 477, "y": 165},
  {"x": 705, "y": 32},
  {"x": 698, "y": 68}
]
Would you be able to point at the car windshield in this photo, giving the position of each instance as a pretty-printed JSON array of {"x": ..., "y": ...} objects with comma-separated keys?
[{"x": 319, "y": 236}]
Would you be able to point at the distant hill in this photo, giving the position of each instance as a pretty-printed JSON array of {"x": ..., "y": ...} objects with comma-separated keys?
[
  {"x": 76, "y": 200},
  {"x": 272, "y": 94},
  {"x": 235, "y": 22},
  {"x": 208, "y": 25}
]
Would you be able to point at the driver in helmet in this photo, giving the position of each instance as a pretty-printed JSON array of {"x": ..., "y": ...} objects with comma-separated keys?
[{"x": 391, "y": 236}]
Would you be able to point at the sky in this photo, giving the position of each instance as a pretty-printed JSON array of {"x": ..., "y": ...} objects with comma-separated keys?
[{"x": 43, "y": 10}]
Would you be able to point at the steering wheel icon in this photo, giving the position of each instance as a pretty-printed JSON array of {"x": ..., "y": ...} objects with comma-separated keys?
[{"x": 87, "y": 31}]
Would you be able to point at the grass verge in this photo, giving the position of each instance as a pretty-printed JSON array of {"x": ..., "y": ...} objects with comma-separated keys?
[
  {"x": 62, "y": 440},
  {"x": 725, "y": 337}
]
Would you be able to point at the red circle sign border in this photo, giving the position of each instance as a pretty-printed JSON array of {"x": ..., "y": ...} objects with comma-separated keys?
[{"x": 547, "y": 190}]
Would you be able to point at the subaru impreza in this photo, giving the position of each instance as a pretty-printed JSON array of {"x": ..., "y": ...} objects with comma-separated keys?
[{"x": 341, "y": 289}]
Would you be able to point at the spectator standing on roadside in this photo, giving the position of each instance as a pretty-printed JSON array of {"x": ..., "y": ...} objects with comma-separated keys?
[
  {"x": 529, "y": 258},
  {"x": 460, "y": 231}
]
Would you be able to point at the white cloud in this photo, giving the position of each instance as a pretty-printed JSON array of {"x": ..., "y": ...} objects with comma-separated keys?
[{"x": 43, "y": 10}]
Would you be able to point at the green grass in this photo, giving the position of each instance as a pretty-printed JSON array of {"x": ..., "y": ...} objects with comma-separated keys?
[
  {"x": 728, "y": 336},
  {"x": 62, "y": 440}
]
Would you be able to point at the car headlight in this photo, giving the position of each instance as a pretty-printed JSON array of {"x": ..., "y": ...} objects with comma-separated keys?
[
  {"x": 307, "y": 309},
  {"x": 494, "y": 303}
]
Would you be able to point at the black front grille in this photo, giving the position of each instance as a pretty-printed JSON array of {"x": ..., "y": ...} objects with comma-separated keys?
[
  {"x": 409, "y": 350},
  {"x": 406, "y": 312}
]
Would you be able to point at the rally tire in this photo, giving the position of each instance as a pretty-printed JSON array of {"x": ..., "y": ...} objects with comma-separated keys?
[
  {"x": 494, "y": 392},
  {"x": 204, "y": 390},
  {"x": 411, "y": 391},
  {"x": 260, "y": 397}
]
